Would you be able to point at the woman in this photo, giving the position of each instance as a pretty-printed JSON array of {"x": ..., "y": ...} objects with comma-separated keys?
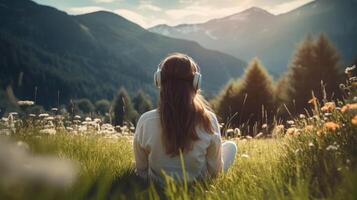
[{"x": 183, "y": 126}]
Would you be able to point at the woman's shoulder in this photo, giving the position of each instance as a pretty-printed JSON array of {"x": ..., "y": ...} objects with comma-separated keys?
[{"x": 152, "y": 114}]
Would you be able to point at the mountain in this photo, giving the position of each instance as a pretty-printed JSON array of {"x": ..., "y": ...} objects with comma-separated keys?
[
  {"x": 273, "y": 38},
  {"x": 47, "y": 53}
]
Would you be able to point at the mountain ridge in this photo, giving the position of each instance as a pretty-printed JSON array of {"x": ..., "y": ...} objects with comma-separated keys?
[
  {"x": 90, "y": 56},
  {"x": 257, "y": 36}
]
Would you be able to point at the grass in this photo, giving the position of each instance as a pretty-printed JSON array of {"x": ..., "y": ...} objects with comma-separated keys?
[{"x": 315, "y": 160}]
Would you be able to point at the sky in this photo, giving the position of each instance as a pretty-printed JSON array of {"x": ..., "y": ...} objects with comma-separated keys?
[{"x": 148, "y": 13}]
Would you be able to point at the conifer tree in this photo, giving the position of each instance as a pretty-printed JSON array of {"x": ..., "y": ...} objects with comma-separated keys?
[
  {"x": 102, "y": 107},
  {"x": 142, "y": 102},
  {"x": 123, "y": 108},
  {"x": 314, "y": 68},
  {"x": 251, "y": 97}
]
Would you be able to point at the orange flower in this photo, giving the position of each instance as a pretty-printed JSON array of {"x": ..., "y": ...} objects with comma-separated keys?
[
  {"x": 354, "y": 120},
  {"x": 309, "y": 128},
  {"x": 332, "y": 126},
  {"x": 328, "y": 107},
  {"x": 348, "y": 107}
]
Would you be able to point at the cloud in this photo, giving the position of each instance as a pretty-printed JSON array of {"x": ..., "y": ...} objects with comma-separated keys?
[
  {"x": 104, "y": 1},
  {"x": 85, "y": 9},
  {"x": 287, "y": 6},
  {"x": 132, "y": 16},
  {"x": 149, "y": 7},
  {"x": 196, "y": 14}
]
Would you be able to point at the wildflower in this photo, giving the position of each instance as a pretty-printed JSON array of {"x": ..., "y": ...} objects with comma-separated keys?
[
  {"x": 309, "y": 128},
  {"x": 245, "y": 156},
  {"x": 292, "y": 131},
  {"x": 49, "y": 118},
  {"x": 302, "y": 116},
  {"x": 331, "y": 126},
  {"x": 43, "y": 115},
  {"x": 331, "y": 148},
  {"x": 349, "y": 107},
  {"x": 349, "y": 70},
  {"x": 25, "y": 103},
  {"x": 290, "y": 122},
  {"x": 328, "y": 114},
  {"x": 328, "y": 107},
  {"x": 237, "y": 132},
  {"x": 354, "y": 120}
]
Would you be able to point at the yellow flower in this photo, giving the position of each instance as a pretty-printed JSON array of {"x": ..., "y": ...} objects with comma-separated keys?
[
  {"x": 328, "y": 107},
  {"x": 354, "y": 120},
  {"x": 332, "y": 126}
]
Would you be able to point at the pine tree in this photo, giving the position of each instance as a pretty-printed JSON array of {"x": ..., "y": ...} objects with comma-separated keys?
[
  {"x": 123, "y": 108},
  {"x": 251, "y": 97},
  {"x": 102, "y": 107},
  {"x": 142, "y": 102},
  {"x": 313, "y": 69}
]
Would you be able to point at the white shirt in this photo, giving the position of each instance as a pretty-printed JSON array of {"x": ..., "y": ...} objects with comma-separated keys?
[{"x": 151, "y": 159}]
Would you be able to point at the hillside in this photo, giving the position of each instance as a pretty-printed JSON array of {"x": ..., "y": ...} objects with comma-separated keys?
[
  {"x": 273, "y": 38},
  {"x": 89, "y": 55}
]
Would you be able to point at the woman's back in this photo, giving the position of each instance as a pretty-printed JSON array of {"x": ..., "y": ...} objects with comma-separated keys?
[{"x": 151, "y": 157}]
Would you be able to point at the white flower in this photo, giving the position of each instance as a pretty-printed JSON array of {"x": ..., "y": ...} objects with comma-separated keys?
[
  {"x": 49, "y": 118},
  {"x": 44, "y": 115},
  {"x": 331, "y": 148},
  {"x": 25, "y": 103},
  {"x": 290, "y": 122}
]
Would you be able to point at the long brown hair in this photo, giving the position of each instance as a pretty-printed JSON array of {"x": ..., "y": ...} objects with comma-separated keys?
[{"x": 181, "y": 107}]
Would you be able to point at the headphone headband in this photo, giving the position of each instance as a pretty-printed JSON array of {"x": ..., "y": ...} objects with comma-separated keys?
[{"x": 197, "y": 78}]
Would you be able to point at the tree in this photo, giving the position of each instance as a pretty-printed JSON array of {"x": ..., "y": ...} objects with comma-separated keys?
[
  {"x": 314, "y": 68},
  {"x": 102, "y": 107},
  {"x": 123, "y": 108},
  {"x": 142, "y": 102},
  {"x": 84, "y": 105},
  {"x": 251, "y": 97}
]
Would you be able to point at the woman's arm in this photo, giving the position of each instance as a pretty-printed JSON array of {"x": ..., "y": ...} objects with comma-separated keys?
[
  {"x": 214, "y": 151},
  {"x": 141, "y": 156}
]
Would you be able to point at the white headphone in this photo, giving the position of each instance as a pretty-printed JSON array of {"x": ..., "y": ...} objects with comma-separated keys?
[{"x": 197, "y": 78}]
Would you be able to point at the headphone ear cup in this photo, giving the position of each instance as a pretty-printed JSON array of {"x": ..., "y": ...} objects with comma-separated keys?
[
  {"x": 157, "y": 78},
  {"x": 197, "y": 81}
]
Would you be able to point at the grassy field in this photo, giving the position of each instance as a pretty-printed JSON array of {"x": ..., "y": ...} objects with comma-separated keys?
[{"x": 314, "y": 158}]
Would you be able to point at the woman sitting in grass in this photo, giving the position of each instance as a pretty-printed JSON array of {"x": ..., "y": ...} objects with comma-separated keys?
[{"x": 183, "y": 126}]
